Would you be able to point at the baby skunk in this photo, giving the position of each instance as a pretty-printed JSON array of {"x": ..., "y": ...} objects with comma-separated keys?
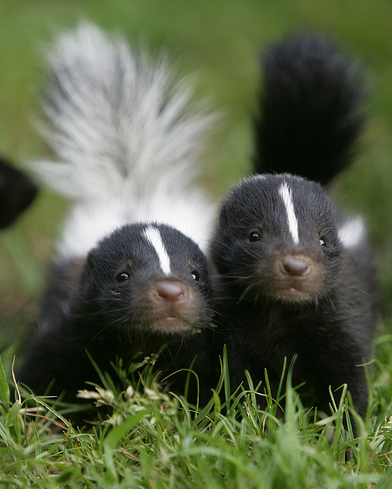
[
  {"x": 141, "y": 287},
  {"x": 128, "y": 276},
  {"x": 296, "y": 277},
  {"x": 17, "y": 192}
]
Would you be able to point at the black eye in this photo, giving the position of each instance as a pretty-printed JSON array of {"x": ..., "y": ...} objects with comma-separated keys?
[
  {"x": 322, "y": 241},
  {"x": 122, "y": 277},
  {"x": 253, "y": 237},
  {"x": 195, "y": 275}
]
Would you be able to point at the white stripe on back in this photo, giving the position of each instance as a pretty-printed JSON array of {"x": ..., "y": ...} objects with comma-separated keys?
[
  {"x": 292, "y": 222},
  {"x": 154, "y": 237}
]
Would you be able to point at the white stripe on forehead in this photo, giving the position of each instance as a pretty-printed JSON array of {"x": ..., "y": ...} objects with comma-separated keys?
[
  {"x": 285, "y": 193},
  {"x": 154, "y": 237}
]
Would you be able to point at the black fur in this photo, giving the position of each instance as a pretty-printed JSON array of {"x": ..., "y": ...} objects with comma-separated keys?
[
  {"x": 315, "y": 298},
  {"x": 17, "y": 192},
  {"x": 93, "y": 308},
  {"x": 326, "y": 317},
  {"x": 310, "y": 109}
]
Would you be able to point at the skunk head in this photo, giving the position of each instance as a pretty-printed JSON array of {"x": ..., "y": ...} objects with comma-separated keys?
[
  {"x": 277, "y": 240},
  {"x": 147, "y": 278}
]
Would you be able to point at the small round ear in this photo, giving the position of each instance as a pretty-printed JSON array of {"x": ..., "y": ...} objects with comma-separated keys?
[
  {"x": 223, "y": 216},
  {"x": 87, "y": 282},
  {"x": 90, "y": 264}
]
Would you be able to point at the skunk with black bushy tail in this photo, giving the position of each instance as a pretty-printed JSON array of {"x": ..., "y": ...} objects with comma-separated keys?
[
  {"x": 297, "y": 278},
  {"x": 128, "y": 275}
]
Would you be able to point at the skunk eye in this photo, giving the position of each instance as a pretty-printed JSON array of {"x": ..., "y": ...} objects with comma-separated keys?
[
  {"x": 322, "y": 241},
  {"x": 254, "y": 236},
  {"x": 122, "y": 277},
  {"x": 195, "y": 275}
]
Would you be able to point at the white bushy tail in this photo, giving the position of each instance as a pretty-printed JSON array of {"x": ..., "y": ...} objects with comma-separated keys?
[{"x": 126, "y": 139}]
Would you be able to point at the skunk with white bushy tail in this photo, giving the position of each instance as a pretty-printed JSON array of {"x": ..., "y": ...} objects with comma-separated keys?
[
  {"x": 129, "y": 275},
  {"x": 296, "y": 277}
]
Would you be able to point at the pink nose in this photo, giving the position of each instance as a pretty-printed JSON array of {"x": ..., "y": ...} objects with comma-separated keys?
[
  {"x": 295, "y": 266},
  {"x": 171, "y": 291}
]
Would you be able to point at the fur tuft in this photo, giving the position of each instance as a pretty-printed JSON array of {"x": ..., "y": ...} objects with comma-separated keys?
[{"x": 116, "y": 117}]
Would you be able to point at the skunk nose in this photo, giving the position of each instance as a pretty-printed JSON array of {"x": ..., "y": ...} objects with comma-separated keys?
[
  {"x": 171, "y": 291},
  {"x": 295, "y": 266}
]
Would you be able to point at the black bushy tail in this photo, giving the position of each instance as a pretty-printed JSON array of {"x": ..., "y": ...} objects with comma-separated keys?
[{"x": 310, "y": 111}]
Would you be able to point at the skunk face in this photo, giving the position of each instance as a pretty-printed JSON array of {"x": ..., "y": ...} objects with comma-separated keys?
[
  {"x": 277, "y": 240},
  {"x": 147, "y": 278}
]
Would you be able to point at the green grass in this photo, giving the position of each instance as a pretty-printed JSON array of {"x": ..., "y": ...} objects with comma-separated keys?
[
  {"x": 157, "y": 442},
  {"x": 148, "y": 438}
]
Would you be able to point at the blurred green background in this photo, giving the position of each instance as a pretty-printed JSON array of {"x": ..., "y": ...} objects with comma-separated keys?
[{"x": 218, "y": 42}]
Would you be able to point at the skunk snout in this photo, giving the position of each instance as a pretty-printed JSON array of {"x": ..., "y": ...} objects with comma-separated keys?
[
  {"x": 170, "y": 291},
  {"x": 168, "y": 306},
  {"x": 295, "y": 277},
  {"x": 295, "y": 266}
]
